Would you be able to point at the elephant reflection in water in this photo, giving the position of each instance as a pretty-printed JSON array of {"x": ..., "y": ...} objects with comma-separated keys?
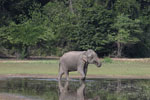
[{"x": 66, "y": 94}]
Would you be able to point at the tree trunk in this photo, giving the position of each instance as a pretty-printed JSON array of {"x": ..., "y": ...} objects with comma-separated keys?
[
  {"x": 119, "y": 49},
  {"x": 26, "y": 53},
  {"x": 23, "y": 52},
  {"x": 71, "y": 7}
]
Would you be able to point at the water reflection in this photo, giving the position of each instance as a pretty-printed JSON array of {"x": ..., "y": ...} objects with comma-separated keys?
[
  {"x": 50, "y": 89},
  {"x": 67, "y": 94}
]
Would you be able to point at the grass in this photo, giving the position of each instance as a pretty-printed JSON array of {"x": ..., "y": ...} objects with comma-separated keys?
[
  {"x": 29, "y": 67},
  {"x": 121, "y": 69},
  {"x": 50, "y": 67}
]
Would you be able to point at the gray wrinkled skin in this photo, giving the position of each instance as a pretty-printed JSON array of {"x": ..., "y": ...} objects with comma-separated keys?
[{"x": 77, "y": 61}]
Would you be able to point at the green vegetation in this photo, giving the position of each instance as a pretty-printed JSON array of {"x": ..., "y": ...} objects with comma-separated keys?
[
  {"x": 119, "y": 28},
  {"x": 45, "y": 67},
  {"x": 121, "y": 69},
  {"x": 29, "y": 67},
  {"x": 107, "y": 60}
]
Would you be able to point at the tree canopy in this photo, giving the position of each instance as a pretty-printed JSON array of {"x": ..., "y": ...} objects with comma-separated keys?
[{"x": 117, "y": 28}]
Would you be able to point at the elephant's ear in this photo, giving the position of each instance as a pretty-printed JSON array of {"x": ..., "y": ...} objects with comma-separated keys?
[{"x": 84, "y": 58}]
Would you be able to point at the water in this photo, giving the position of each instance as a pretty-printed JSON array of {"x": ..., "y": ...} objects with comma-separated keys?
[{"x": 94, "y": 89}]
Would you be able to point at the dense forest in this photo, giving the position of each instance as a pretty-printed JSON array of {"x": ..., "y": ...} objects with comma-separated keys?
[{"x": 115, "y": 28}]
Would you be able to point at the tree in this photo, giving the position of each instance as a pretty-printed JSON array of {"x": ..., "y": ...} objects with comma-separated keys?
[
  {"x": 64, "y": 24},
  {"x": 52, "y": 27},
  {"x": 94, "y": 22},
  {"x": 127, "y": 7},
  {"x": 126, "y": 32},
  {"x": 29, "y": 33}
]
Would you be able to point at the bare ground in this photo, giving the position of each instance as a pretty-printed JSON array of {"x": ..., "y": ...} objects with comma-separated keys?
[
  {"x": 132, "y": 59},
  {"x": 75, "y": 76}
]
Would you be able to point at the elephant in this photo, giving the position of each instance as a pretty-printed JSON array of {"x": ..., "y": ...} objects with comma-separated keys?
[
  {"x": 65, "y": 93},
  {"x": 77, "y": 61}
]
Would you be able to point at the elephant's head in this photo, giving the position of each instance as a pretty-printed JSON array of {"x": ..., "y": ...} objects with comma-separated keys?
[{"x": 91, "y": 57}]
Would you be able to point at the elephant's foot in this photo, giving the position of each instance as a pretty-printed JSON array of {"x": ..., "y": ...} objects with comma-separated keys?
[{"x": 83, "y": 78}]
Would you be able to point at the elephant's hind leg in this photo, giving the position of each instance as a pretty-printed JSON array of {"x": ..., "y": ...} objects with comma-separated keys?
[
  {"x": 61, "y": 72},
  {"x": 67, "y": 75},
  {"x": 60, "y": 75}
]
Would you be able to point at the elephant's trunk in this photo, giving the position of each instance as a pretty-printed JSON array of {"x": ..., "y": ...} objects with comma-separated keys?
[{"x": 99, "y": 64}]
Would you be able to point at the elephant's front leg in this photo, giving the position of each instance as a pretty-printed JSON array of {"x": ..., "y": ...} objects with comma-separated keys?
[
  {"x": 81, "y": 71},
  {"x": 85, "y": 69}
]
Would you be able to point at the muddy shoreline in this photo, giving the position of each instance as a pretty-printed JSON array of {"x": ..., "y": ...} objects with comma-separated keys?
[{"x": 76, "y": 76}]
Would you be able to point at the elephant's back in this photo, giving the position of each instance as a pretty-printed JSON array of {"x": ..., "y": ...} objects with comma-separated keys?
[
  {"x": 71, "y": 57},
  {"x": 72, "y": 54}
]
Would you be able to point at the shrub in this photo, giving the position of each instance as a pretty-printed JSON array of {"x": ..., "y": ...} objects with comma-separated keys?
[{"x": 107, "y": 60}]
